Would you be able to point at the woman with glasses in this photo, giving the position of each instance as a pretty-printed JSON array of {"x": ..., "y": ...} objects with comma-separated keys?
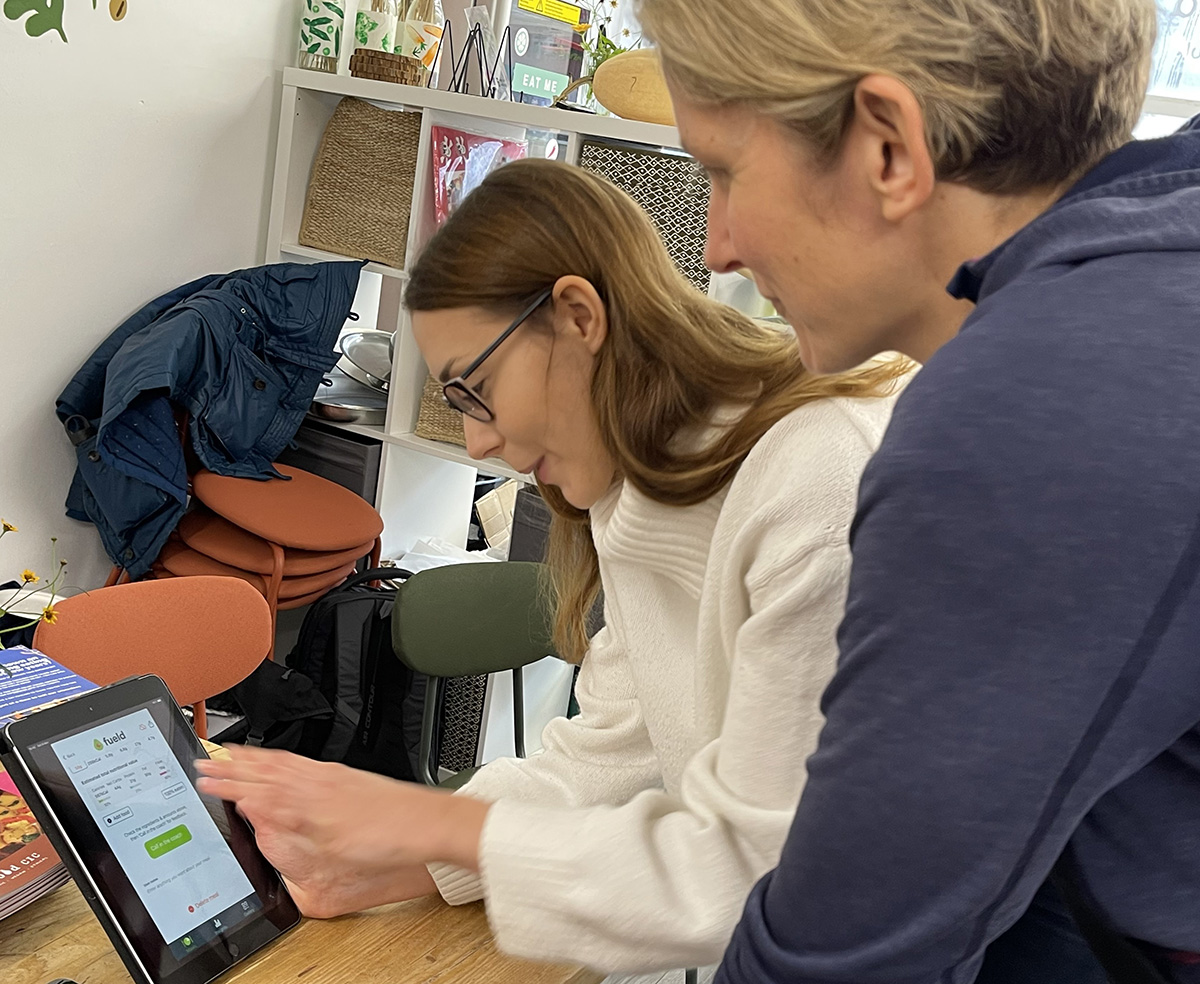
[{"x": 704, "y": 482}]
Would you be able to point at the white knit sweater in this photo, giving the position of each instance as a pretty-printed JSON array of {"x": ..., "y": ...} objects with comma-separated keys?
[{"x": 631, "y": 842}]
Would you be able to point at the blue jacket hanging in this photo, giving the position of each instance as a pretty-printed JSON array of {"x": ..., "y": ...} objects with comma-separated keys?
[{"x": 242, "y": 353}]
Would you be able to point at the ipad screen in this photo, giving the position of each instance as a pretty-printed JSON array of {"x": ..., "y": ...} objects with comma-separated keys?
[
  {"x": 178, "y": 873},
  {"x": 158, "y": 830}
]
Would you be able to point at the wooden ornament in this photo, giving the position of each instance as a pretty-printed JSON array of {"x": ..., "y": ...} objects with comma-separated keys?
[{"x": 631, "y": 85}]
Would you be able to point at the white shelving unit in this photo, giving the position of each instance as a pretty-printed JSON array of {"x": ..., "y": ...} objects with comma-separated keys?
[
  {"x": 298, "y": 252},
  {"x": 425, "y": 486},
  {"x": 1177, "y": 106}
]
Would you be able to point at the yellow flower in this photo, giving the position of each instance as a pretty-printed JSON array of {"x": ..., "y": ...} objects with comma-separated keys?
[
  {"x": 29, "y": 577},
  {"x": 7, "y": 527},
  {"x": 49, "y": 614}
]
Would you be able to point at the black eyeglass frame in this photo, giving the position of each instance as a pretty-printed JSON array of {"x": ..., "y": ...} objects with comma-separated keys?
[{"x": 459, "y": 387}]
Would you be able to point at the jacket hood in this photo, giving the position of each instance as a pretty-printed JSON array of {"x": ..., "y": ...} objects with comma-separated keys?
[{"x": 1142, "y": 198}]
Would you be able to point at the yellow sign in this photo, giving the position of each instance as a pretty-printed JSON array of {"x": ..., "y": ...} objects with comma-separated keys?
[{"x": 566, "y": 12}]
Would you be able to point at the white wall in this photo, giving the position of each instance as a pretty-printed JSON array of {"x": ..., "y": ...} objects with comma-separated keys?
[{"x": 132, "y": 159}]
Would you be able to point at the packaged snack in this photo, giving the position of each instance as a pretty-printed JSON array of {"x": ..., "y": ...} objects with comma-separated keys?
[{"x": 461, "y": 160}]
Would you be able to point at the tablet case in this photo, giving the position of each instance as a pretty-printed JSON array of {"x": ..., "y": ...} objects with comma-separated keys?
[{"x": 66, "y": 852}]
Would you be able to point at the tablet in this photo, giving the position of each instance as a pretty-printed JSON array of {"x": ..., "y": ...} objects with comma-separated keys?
[{"x": 175, "y": 878}]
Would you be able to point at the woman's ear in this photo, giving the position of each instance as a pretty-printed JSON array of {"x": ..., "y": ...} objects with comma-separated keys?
[
  {"x": 887, "y": 132},
  {"x": 579, "y": 312}
]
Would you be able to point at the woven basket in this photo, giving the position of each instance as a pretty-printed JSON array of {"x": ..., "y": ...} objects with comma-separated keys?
[
  {"x": 360, "y": 193},
  {"x": 435, "y": 420},
  {"x": 368, "y": 64}
]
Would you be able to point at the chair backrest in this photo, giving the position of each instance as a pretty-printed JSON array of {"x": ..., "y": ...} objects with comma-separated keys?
[
  {"x": 202, "y": 635},
  {"x": 470, "y": 619}
]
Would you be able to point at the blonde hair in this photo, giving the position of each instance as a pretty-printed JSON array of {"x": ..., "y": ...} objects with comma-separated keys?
[
  {"x": 1018, "y": 95},
  {"x": 671, "y": 357}
]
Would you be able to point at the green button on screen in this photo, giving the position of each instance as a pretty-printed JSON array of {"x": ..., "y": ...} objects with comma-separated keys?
[{"x": 156, "y": 847}]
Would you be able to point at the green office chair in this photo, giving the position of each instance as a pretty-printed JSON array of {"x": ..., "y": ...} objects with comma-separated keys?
[{"x": 467, "y": 620}]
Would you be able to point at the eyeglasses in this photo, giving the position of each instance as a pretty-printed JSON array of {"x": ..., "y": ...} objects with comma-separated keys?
[{"x": 459, "y": 395}]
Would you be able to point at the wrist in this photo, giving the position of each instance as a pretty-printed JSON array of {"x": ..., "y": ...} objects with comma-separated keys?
[{"x": 458, "y": 831}]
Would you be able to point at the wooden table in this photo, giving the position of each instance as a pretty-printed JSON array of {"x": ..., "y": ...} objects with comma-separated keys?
[{"x": 420, "y": 941}]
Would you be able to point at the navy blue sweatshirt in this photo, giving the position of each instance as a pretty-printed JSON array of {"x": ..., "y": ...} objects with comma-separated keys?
[{"x": 1020, "y": 656}]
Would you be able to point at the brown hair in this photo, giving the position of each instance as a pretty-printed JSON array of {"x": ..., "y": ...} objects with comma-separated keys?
[
  {"x": 671, "y": 356},
  {"x": 1018, "y": 95}
]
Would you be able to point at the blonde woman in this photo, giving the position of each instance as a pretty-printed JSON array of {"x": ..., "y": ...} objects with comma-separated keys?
[
  {"x": 705, "y": 482},
  {"x": 1019, "y": 681}
]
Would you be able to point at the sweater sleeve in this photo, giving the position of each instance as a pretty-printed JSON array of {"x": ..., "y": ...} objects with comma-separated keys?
[
  {"x": 602, "y": 755},
  {"x": 658, "y": 881}
]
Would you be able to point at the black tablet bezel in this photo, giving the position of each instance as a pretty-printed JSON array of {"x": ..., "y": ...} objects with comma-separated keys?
[{"x": 81, "y": 843}]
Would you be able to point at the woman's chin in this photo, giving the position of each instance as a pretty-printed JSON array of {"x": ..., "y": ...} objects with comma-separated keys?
[{"x": 573, "y": 497}]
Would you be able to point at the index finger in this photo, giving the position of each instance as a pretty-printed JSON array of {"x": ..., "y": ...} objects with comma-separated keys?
[
  {"x": 234, "y": 790},
  {"x": 240, "y": 769}
]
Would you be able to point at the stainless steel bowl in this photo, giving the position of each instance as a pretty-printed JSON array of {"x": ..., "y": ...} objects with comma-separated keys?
[
  {"x": 348, "y": 368},
  {"x": 346, "y": 400},
  {"x": 371, "y": 353}
]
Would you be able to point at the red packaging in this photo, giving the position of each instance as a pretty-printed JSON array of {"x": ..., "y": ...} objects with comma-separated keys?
[{"x": 461, "y": 160}]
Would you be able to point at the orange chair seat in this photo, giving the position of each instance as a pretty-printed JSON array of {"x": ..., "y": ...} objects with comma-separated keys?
[
  {"x": 213, "y": 535},
  {"x": 182, "y": 561},
  {"x": 202, "y": 635},
  {"x": 306, "y": 513},
  {"x": 284, "y": 604}
]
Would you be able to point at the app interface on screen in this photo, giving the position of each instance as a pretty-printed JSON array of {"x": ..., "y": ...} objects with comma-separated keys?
[{"x": 158, "y": 829}]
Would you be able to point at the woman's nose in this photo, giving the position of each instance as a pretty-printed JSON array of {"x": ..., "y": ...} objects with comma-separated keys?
[
  {"x": 483, "y": 440},
  {"x": 719, "y": 254}
]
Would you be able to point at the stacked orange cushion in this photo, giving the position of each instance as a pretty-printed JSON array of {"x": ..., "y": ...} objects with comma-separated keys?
[{"x": 293, "y": 538}]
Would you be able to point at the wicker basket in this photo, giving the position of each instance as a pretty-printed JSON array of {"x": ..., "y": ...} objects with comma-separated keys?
[
  {"x": 435, "y": 420},
  {"x": 360, "y": 193},
  {"x": 368, "y": 64}
]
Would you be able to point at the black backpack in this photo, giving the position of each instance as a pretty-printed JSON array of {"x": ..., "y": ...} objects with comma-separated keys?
[{"x": 343, "y": 696}]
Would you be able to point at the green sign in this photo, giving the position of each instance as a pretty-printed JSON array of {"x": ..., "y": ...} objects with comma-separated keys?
[
  {"x": 156, "y": 847},
  {"x": 538, "y": 81}
]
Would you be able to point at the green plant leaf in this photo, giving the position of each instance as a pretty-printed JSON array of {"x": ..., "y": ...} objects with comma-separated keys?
[
  {"x": 336, "y": 9},
  {"x": 321, "y": 20},
  {"x": 337, "y": 40},
  {"x": 317, "y": 32},
  {"x": 47, "y": 15},
  {"x": 314, "y": 48}
]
